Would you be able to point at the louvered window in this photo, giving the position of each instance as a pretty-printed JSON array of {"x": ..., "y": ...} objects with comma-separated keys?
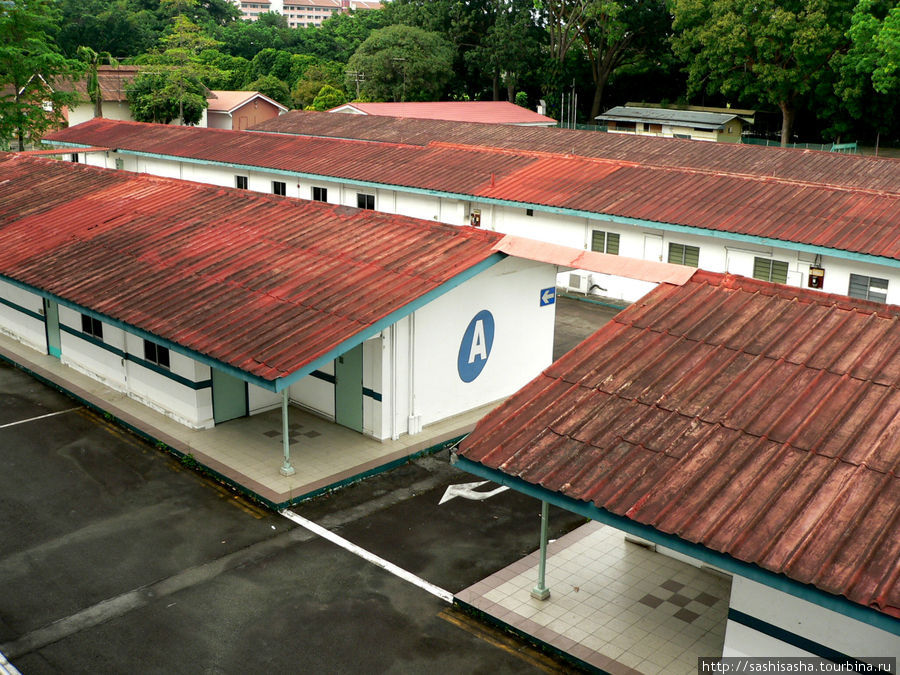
[
  {"x": 605, "y": 242},
  {"x": 868, "y": 288},
  {"x": 770, "y": 270},
  {"x": 682, "y": 254}
]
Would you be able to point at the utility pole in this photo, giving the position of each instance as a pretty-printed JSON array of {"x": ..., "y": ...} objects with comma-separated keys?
[{"x": 358, "y": 76}]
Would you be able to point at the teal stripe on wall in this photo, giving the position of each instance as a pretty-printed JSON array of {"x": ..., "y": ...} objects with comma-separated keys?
[
  {"x": 203, "y": 384},
  {"x": 23, "y": 310}
]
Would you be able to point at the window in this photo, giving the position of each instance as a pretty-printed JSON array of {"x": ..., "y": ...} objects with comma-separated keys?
[
  {"x": 91, "y": 326},
  {"x": 364, "y": 201},
  {"x": 320, "y": 194},
  {"x": 682, "y": 254},
  {"x": 868, "y": 288},
  {"x": 529, "y": 212},
  {"x": 240, "y": 182},
  {"x": 605, "y": 242},
  {"x": 157, "y": 354},
  {"x": 770, "y": 270},
  {"x": 75, "y": 157},
  {"x": 279, "y": 188},
  {"x": 120, "y": 164}
]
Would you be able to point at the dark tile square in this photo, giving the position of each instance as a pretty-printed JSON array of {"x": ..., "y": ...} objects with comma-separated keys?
[
  {"x": 651, "y": 601},
  {"x": 706, "y": 599},
  {"x": 686, "y": 615},
  {"x": 672, "y": 585},
  {"x": 271, "y": 434},
  {"x": 312, "y": 434},
  {"x": 679, "y": 599}
]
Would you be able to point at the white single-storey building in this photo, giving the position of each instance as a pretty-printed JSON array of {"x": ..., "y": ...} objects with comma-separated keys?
[
  {"x": 805, "y": 218},
  {"x": 738, "y": 424},
  {"x": 209, "y": 304}
]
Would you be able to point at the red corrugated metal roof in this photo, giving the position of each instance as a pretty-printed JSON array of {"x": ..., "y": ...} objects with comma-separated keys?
[
  {"x": 842, "y": 217},
  {"x": 761, "y": 421},
  {"x": 810, "y": 166},
  {"x": 262, "y": 283},
  {"x": 489, "y": 112}
]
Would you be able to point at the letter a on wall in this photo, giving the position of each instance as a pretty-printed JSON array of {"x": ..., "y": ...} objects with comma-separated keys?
[{"x": 475, "y": 347}]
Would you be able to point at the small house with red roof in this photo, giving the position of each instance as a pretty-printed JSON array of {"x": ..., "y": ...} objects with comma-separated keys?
[
  {"x": 491, "y": 112},
  {"x": 240, "y": 109}
]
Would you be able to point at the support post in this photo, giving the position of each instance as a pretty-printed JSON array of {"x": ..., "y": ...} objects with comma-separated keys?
[
  {"x": 287, "y": 468},
  {"x": 541, "y": 592}
]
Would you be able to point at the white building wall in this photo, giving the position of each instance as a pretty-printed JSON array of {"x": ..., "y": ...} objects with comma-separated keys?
[
  {"x": 522, "y": 345},
  {"x": 800, "y": 617},
  {"x": 17, "y": 324},
  {"x": 315, "y": 392},
  {"x": 79, "y": 353},
  {"x": 112, "y": 110},
  {"x": 717, "y": 253}
]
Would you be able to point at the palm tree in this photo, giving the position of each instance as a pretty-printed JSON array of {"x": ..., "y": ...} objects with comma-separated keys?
[{"x": 93, "y": 60}]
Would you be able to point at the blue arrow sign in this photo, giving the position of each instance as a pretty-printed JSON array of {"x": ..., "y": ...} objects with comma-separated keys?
[{"x": 548, "y": 296}]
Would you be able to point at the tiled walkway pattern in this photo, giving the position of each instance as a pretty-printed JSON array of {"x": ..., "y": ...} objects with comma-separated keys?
[{"x": 613, "y": 604}]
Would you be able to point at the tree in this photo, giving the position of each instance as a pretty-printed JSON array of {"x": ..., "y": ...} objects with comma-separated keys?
[
  {"x": 403, "y": 63},
  {"x": 271, "y": 86},
  {"x": 328, "y": 98},
  {"x": 93, "y": 61},
  {"x": 315, "y": 77},
  {"x": 174, "y": 79},
  {"x": 30, "y": 64},
  {"x": 769, "y": 51}
]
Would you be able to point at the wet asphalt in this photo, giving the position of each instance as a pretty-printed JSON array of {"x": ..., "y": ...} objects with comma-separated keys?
[{"x": 116, "y": 558}]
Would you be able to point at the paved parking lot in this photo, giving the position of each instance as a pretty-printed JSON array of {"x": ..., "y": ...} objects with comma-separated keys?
[{"x": 115, "y": 558}]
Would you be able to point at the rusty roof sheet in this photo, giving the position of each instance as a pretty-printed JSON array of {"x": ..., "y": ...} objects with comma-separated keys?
[
  {"x": 838, "y": 217},
  {"x": 758, "y": 420},
  {"x": 811, "y": 166},
  {"x": 263, "y": 283}
]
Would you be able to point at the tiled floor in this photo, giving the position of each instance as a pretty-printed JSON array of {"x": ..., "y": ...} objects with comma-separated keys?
[
  {"x": 615, "y": 605},
  {"x": 248, "y": 451}
]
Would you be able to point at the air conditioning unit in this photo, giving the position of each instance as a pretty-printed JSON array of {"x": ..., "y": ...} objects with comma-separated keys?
[{"x": 579, "y": 281}]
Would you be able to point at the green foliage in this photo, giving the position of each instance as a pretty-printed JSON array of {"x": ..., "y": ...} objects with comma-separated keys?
[
  {"x": 223, "y": 71},
  {"x": 522, "y": 99},
  {"x": 30, "y": 66},
  {"x": 772, "y": 51},
  {"x": 165, "y": 95},
  {"x": 272, "y": 87},
  {"x": 403, "y": 63},
  {"x": 328, "y": 98},
  {"x": 93, "y": 60},
  {"x": 316, "y": 76}
]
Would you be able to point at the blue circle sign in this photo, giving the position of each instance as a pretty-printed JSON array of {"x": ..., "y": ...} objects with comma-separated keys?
[{"x": 475, "y": 347}]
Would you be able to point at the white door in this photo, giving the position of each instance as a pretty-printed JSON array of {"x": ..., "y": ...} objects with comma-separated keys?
[{"x": 653, "y": 247}]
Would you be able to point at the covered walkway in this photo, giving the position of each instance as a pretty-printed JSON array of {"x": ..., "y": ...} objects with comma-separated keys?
[{"x": 247, "y": 452}]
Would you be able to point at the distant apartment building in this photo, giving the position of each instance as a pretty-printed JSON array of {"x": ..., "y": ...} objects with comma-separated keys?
[{"x": 303, "y": 13}]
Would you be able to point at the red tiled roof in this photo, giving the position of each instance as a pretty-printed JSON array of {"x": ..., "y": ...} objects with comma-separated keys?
[
  {"x": 490, "y": 112},
  {"x": 807, "y": 166},
  {"x": 841, "y": 217},
  {"x": 262, "y": 283},
  {"x": 113, "y": 81},
  {"x": 758, "y": 420}
]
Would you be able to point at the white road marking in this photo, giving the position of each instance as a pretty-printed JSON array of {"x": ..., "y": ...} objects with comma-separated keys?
[
  {"x": 6, "y": 668},
  {"x": 467, "y": 491},
  {"x": 39, "y": 417},
  {"x": 446, "y": 596}
]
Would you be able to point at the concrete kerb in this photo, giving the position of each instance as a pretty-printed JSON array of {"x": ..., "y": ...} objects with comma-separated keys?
[
  {"x": 539, "y": 644},
  {"x": 198, "y": 465}
]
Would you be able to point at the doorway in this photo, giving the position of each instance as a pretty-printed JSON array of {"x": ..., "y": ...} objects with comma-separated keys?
[
  {"x": 348, "y": 389},
  {"x": 229, "y": 395}
]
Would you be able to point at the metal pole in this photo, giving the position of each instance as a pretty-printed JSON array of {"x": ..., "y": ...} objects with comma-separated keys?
[
  {"x": 541, "y": 592},
  {"x": 286, "y": 469}
]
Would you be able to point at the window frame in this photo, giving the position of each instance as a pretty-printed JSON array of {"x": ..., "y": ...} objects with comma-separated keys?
[
  {"x": 279, "y": 187},
  {"x": 363, "y": 199},
  {"x": 91, "y": 326},
  {"x": 685, "y": 249},
  {"x": 238, "y": 180},
  {"x": 319, "y": 194},
  {"x": 870, "y": 288},
  {"x": 608, "y": 238},
  {"x": 771, "y": 262},
  {"x": 157, "y": 354}
]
